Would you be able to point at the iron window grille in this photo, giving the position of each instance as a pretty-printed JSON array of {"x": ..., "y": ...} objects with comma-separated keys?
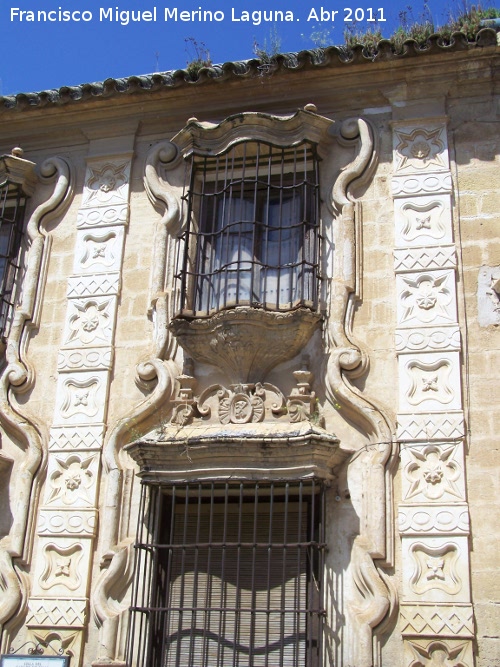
[
  {"x": 12, "y": 206},
  {"x": 252, "y": 234},
  {"x": 228, "y": 575}
]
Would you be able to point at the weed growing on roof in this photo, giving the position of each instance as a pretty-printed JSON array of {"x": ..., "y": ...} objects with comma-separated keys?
[
  {"x": 469, "y": 21},
  {"x": 268, "y": 49},
  {"x": 199, "y": 56},
  {"x": 418, "y": 28}
]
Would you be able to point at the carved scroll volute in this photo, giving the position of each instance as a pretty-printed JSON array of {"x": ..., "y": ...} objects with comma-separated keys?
[
  {"x": 164, "y": 155},
  {"x": 17, "y": 377}
]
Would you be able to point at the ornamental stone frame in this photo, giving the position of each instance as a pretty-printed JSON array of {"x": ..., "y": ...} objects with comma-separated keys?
[{"x": 349, "y": 153}]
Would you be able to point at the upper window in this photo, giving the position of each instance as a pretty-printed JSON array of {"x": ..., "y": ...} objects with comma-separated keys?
[
  {"x": 12, "y": 204},
  {"x": 252, "y": 233}
]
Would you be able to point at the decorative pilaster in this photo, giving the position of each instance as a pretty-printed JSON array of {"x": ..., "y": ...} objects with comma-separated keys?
[
  {"x": 68, "y": 517},
  {"x": 436, "y": 618}
]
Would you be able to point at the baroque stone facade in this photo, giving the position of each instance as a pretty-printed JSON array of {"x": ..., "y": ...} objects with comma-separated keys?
[{"x": 363, "y": 361}]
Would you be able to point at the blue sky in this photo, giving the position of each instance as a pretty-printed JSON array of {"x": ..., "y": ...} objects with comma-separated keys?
[{"x": 37, "y": 55}]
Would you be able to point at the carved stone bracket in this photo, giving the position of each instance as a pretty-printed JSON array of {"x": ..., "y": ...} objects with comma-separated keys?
[{"x": 246, "y": 343}]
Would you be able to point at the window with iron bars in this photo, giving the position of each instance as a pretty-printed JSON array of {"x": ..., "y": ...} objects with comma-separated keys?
[
  {"x": 229, "y": 574},
  {"x": 12, "y": 205},
  {"x": 252, "y": 236}
]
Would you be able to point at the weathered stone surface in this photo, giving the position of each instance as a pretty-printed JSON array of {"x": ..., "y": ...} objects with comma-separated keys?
[{"x": 402, "y": 353}]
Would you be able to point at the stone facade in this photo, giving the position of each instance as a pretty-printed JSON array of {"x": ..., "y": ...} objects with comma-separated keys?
[{"x": 384, "y": 391}]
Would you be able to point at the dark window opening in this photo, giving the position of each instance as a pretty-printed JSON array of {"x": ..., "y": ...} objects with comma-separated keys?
[
  {"x": 12, "y": 205},
  {"x": 229, "y": 575},
  {"x": 252, "y": 234}
]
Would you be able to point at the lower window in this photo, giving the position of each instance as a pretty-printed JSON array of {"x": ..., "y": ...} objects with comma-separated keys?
[{"x": 229, "y": 575}]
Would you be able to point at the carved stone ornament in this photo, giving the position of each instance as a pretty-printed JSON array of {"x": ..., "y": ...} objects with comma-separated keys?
[
  {"x": 420, "y": 150},
  {"x": 244, "y": 403},
  {"x": 416, "y": 259},
  {"x": 246, "y": 343},
  {"x": 439, "y": 653},
  {"x": 430, "y": 382},
  {"x": 279, "y": 434},
  {"x": 421, "y": 184},
  {"x": 90, "y": 322},
  {"x": 53, "y": 612},
  {"x": 72, "y": 480},
  {"x": 426, "y": 298},
  {"x": 106, "y": 184},
  {"x": 435, "y": 568},
  {"x": 433, "y": 472},
  {"x": 444, "y": 620},
  {"x": 431, "y": 426},
  {"x": 62, "y": 567},
  {"x": 425, "y": 220},
  {"x": 434, "y": 519}
]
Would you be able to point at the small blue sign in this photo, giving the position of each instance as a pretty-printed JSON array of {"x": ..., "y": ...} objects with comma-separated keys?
[{"x": 33, "y": 661}]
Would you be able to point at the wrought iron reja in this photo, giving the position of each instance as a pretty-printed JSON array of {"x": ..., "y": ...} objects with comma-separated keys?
[
  {"x": 12, "y": 204},
  {"x": 37, "y": 648},
  {"x": 252, "y": 233},
  {"x": 238, "y": 575}
]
